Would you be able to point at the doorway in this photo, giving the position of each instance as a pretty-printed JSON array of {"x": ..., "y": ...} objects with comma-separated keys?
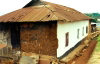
[{"x": 15, "y": 35}]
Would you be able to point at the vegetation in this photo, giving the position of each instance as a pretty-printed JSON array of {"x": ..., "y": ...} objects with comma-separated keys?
[
  {"x": 98, "y": 28},
  {"x": 95, "y": 58},
  {"x": 98, "y": 44},
  {"x": 94, "y": 16}
]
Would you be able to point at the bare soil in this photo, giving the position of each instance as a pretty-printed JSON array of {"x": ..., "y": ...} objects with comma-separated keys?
[
  {"x": 95, "y": 58},
  {"x": 84, "y": 55}
]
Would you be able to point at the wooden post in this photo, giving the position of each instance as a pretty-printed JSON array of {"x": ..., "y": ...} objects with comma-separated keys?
[{"x": 89, "y": 29}]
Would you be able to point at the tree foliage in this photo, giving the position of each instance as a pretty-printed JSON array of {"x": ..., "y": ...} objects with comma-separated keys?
[{"x": 94, "y": 16}]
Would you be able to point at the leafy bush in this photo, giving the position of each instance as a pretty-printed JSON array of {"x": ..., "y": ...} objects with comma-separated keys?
[{"x": 98, "y": 38}]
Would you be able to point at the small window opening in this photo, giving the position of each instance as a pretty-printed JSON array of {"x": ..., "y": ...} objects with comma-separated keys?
[
  {"x": 78, "y": 30},
  {"x": 67, "y": 39}
]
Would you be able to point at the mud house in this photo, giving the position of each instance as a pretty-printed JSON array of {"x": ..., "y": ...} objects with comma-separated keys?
[{"x": 44, "y": 28}]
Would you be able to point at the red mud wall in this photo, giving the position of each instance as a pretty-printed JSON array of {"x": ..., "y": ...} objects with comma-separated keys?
[{"x": 40, "y": 38}]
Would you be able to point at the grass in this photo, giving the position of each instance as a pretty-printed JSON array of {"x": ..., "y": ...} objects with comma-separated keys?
[
  {"x": 98, "y": 44},
  {"x": 95, "y": 58},
  {"x": 98, "y": 28}
]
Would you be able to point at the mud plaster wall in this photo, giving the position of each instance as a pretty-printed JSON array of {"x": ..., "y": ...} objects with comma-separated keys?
[
  {"x": 40, "y": 38},
  {"x": 5, "y": 40},
  {"x": 5, "y": 34}
]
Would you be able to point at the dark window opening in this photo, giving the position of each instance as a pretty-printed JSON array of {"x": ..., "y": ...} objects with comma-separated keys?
[
  {"x": 87, "y": 29},
  {"x": 78, "y": 30},
  {"x": 83, "y": 32},
  {"x": 67, "y": 39}
]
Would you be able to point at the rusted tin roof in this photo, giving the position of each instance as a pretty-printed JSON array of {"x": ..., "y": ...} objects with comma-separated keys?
[{"x": 42, "y": 13}]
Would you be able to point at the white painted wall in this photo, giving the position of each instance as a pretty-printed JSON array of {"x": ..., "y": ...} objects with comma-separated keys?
[{"x": 71, "y": 27}]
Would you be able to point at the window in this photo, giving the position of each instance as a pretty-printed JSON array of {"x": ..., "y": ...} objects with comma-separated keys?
[
  {"x": 87, "y": 29},
  {"x": 78, "y": 30},
  {"x": 83, "y": 31},
  {"x": 67, "y": 39}
]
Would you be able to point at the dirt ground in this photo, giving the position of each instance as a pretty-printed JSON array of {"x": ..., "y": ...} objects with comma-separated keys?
[
  {"x": 95, "y": 58},
  {"x": 85, "y": 54}
]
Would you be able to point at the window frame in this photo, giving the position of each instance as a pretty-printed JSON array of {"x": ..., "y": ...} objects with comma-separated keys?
[{"x": 67, "y": 39}]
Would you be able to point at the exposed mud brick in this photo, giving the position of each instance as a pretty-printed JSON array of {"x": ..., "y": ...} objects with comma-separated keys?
[
  {"x": 44, "y": 62},
  {"x": 45, "y": 59},
  {"x": 40, "y": 38},
  {"x": 27, "y": 60},
  {"x": 63, "y": 63},
  {"x": 31, "y": 58},
  {"x": 4, "y": 60}
]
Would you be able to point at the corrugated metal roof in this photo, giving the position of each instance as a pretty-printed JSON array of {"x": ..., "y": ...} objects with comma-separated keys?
[{"x": 41, "y": 13}]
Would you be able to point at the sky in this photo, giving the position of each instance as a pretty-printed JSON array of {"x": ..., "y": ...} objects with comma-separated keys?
[{"x": 84, "y": 6}]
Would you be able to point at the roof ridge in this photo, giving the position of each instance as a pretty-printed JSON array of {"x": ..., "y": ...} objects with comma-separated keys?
[
  {"x": 50, "y": 12},
  {"x": 49, "y": 9},
  {"x": 55, "y": 9}
]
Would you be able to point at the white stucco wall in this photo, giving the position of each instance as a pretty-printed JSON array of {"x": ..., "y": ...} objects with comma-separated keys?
[{"x": 71, "y": 27}]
